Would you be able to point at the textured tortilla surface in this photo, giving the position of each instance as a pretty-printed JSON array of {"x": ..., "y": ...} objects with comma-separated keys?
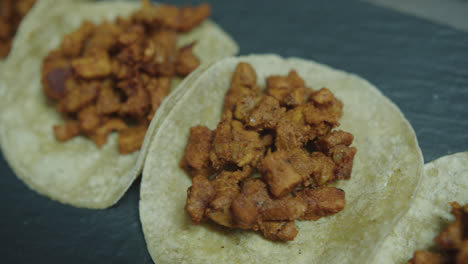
[
  {"x": 75, "y": 172},
  {"x": 445, "y": 180},
  {"x": 386, "y": 172}
]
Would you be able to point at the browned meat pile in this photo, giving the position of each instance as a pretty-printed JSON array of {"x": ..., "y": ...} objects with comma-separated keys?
[
  {"x": 113, "y": 76},
  {"x": 287, "y": 136}
]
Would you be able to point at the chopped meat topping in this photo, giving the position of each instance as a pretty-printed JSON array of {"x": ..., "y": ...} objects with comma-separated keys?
[
  {"x": 118, "y": 70},
  {"x": 452, "y": 241},
  {"x": 269, "y": 160},
  {"x": 11, "y": 14}
]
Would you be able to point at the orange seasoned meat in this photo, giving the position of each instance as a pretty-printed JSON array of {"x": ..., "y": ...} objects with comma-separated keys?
[
  {"x": 198, "y": 196},
  {"x": 119, "y": 70},
  {"x": 197, "y": 150},
  {"x": 67, "y": 131},
  {"x": 11, "y": 14},
  {"x": 452, "y": 241},
  {"x": 279, "y": 174},
  {"x": 322, "y": 202},
  {"x": 271, "y": 157}
]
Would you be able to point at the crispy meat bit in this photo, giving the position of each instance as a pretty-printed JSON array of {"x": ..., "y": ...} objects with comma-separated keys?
[
  {"x": 292, "y": 135},
  {"x": 97, "y": 66},
  {"x": 289, "y": 90},
  {"x": 245, "y": 207},
  {"x": 233, "y": 143},
  {"x": 265, "y": 114},
  {"x": 78, "y": 97},
  {"x": 322, "y": 202},
  {"x": 280, "y": 174},
  {"x": 324, "y": 168},
  {"x": 243, "y": 93},
  {"x": 137, "y": 104},
  {"x": 279, "y": 231},
  {"x": 108, "y": 101},
  {"x": 323, "y": 97},
  {"x": 101, "y": 133},
  {"x": 284, "y": 209},
  {"x": 131, "y": 139},
  {"x": 198, "y": 197},
  {"x": 451, "y": 237},
  {"x": 67, "y": 131},
  {"x": 197, "y": 150},
  {"x": 426, "y": 257},
  {"x": 73, "y": 43},
  {"x": 186, "y": 61},
  {"x": 343, "y": 157},
  {"x": 89, "y": 119},
  {"x": 226, "y": 188},
  {"x": 158, "y": 89},
  {"x": 190, "y": 17},
  {"x": 339, "y": 137},
  {"x": 303, "y": 164}
]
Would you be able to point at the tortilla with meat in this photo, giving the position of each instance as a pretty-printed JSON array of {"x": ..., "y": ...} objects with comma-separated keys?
[
  {"x": 445, "y": 180},
  {"x": 74, "y": 172},
  {"x": 386, "y": 171}
]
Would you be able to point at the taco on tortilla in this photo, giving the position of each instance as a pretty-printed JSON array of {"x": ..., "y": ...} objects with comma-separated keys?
[
  {"x": 83, "y": 53},
  {"x": 385, "y": 172},
  {"x": 445, "y": 180}
]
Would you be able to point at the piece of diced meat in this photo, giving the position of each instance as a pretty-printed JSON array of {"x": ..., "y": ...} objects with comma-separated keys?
[
  {"x": 279, "y": 174},
  {"x": 197, "y": 150},
  {"x": 131, "y": 139},
  {"x": 245, "y": 207},
  {"x": 323, "y": 96},
  {"x": 303, "y": 164},
  {"x": 199, "y": 196},
  {"x": 343, "y": 157},
  {"x": 322, "y": 202},
  {"x": 137, "y": 104},
  {"x": 451, "y": 237},
  {"x": 338, "y": 137},
  {"x": 67, "y": 131},
  {"x": 284, "y": 209},
  {"x": 426, "y": 257},
  {"x": 96, "y": 66},
  {"x": 89, "y": 119},
  {"x": 158, "y": 90},
  {"x": 186, "y": 61},
  {"x": 265, "y": 114},
  {"x": 279, "y": 231},
  {"x": 108, "y": 101},
  {"x": 233, "y": 143},
  {"x": 324, "y": 168},
  {"x": 78, "y": 96},
  {"x": 101, "y": 133}
]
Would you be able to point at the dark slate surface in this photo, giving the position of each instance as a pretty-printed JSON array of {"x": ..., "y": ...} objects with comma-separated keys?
[{"x": 421, "y": 66}]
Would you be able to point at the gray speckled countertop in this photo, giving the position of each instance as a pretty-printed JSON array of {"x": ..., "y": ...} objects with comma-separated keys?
[{"x": 420, "y": 65}]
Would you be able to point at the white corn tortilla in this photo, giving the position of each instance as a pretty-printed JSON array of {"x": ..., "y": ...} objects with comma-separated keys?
[
  {"x": 445, "y": 180},
  {"x": 75, "y": 172},
  {"x": 386, "y": 172}
]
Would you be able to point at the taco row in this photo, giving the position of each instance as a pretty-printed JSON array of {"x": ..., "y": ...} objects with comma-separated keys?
[{"x": 289, "y": 148}]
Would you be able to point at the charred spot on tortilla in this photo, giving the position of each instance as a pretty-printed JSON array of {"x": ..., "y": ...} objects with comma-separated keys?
[
  {"x": 268, "y": 133},
  {"x": 452, "y": 242},
  {"x": 11, "y": 14},
  {"x": 113, "y": 76}
]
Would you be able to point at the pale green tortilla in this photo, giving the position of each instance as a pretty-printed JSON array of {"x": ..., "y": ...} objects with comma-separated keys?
[
  {"x": 386, "y": 172},
  {"x": 75, "y": 172},
  {"x": 445, "y": 180}
]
